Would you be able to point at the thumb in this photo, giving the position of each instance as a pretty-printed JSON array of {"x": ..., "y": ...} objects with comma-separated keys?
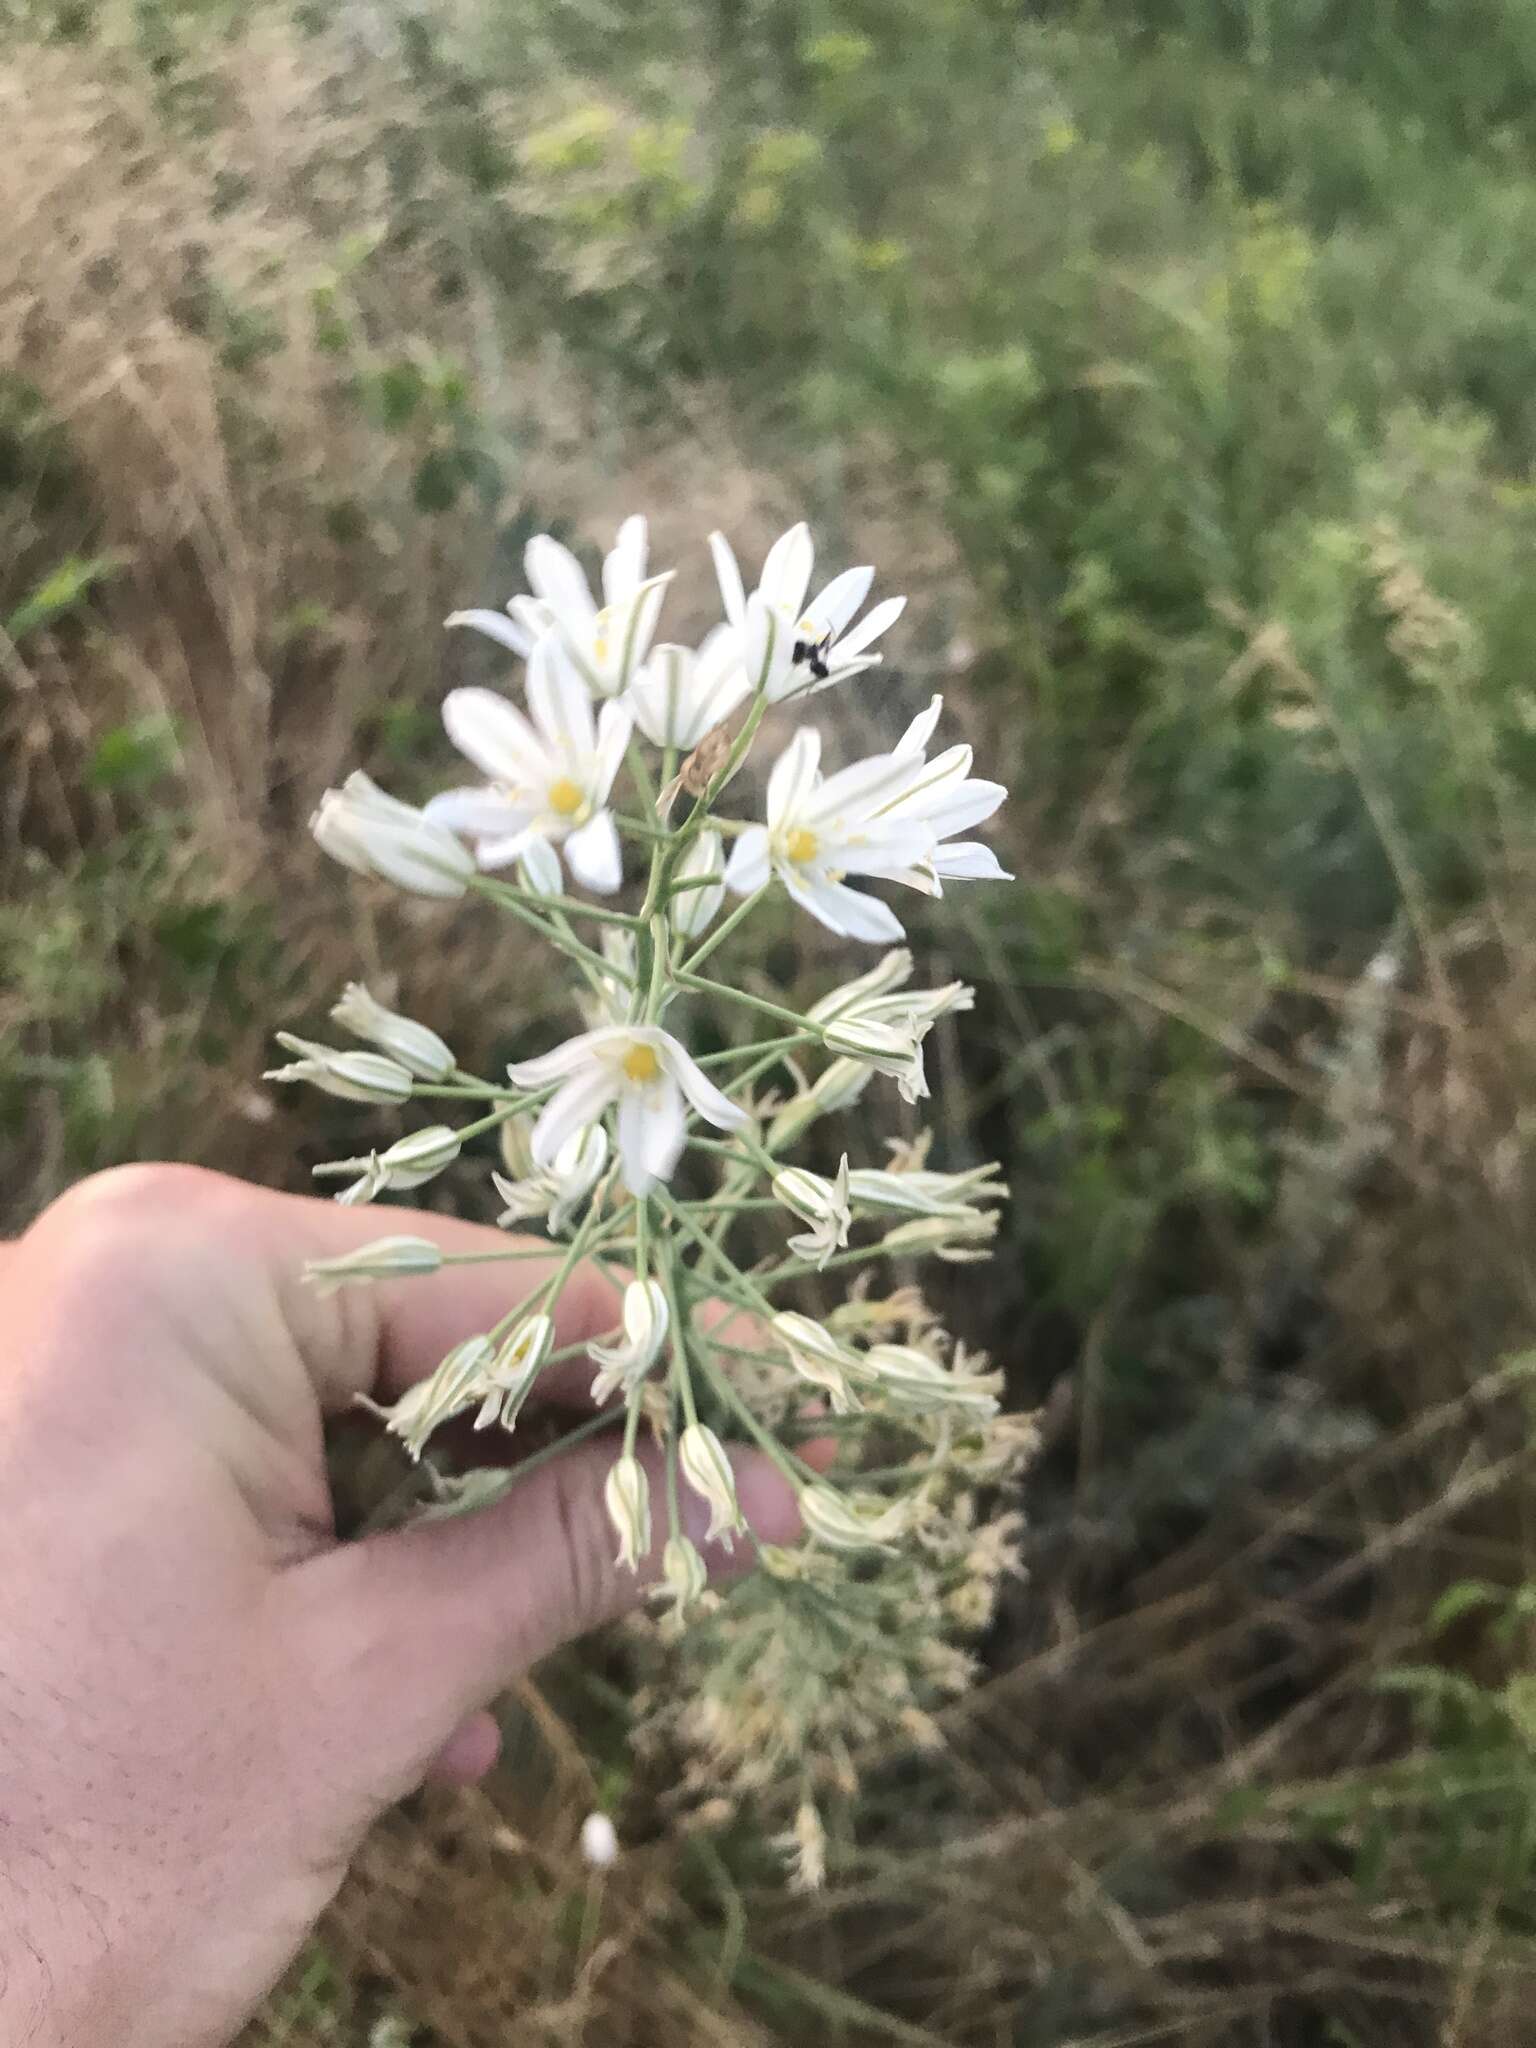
[{"x": 408, "y": 1632}]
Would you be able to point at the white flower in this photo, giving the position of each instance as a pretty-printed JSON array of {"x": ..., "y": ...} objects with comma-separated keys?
[
  {"x": 599, "y": 1841},
  {"x": 607, "y": 643},
  {"x": 354, "y": 1076},
  {"x": 375, "y": 834},
  {"x": 412, "y": 1044},
  {"x": 628, "y": 1498},
  {"x": 790, "y": 648},
  {"x": 922, "y": 1384},
  {"x": 679, "y": 696},
  {"x": 549, "y": 778},
  {"x": 819, "y": 1358},
  {"x": 384, "y": 1259},
  {"x": 845, "y": 1521},
  {"x": 626, "y": 1364},
  {"x": 511, "y": 1373},
  {"x": 918, "y": 1192},
  {"x": 538, "y": 869},
  {"x": 703, "y": 1463},
  {"x": 458, "y": 1383},
  {"x": 556, "y": 1191},
  {"x": 693, "y": 910},
  {"x": 409, "y": 1163},
  {"x": 820, "y": 1202},
  {"x": 943, "y": 795},
  {"x": 884, "y": 817},
  {"x": 959, "y": 1240},
  {"x": 648, "y": 1074},
  {"x": 821, "y": 829}
]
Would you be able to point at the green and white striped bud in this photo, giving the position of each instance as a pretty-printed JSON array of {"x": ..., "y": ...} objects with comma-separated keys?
[
  {"x": 958, "y": 1240},
  {"x": 354, "y": 1076},
  {"x": 703, "y": 1463},
  {"x": 625, "y": 1365},
  {"x": 628, "y": 1499},
  {"x": 408, "y": 1163},
  {"x": 376, "y": 834},
  {"x": 558, "y": 1190},
  {"x": 924, "y": 1385},
  {"x": 412, "y": 1044},
  {"x": 819, "y": 1359},
  {"x": 513, "y": 1370},
  {"x": 386, "y": 1258},
  {"x": 820, "y": 1202},
  {"x": 684, "y": 1573},
  {"x": 849, "y": 1521},
  {"x": 693, "y": 910},
  {"x": 921, "y": 1193},
  {"x": 458, "y": 1383}
]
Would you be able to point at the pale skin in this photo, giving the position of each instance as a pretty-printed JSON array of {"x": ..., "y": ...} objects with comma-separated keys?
[{"x": 205, "y": 1699}]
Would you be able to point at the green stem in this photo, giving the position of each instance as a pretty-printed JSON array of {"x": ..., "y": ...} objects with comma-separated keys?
[
  {"x": 700, "y": 984},
  {"x": 723, "y": 931}
]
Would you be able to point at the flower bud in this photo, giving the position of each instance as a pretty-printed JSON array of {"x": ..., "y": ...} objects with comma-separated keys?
[
  {"x": 512, "y": 1372},
  {"x": 628, "y": 1499},
  {"x": 354, "y": 1076},
  {"x": 819, "y": 1359},
  {"x": 837, "y": 1089},
  {"x": 412, "y": 1044},
  {"x": 703, "y": 1463},
  {"x": 557, "y": 1190},
  {"x": 457, "y": 1384},
  {"x": 693, "y": 910},
  {"x": 684, "y": 1572},
  {"x": 883, "y": 1047},
  {"x": 958, "y": 1240},
  {"x": 822, "y": 1203},
  {"x": 645, "y": 1321},
  {"x": 921, "y": 1383},
  {"x": 918, "y": 1192},
  {"x": 384, "y": 1259},
  {"x": 889, "y": 972},
  {"x": 375, "y": 834},
  {"x": 408, "y": 1163},
  {"x": 845, "y": 1521}
]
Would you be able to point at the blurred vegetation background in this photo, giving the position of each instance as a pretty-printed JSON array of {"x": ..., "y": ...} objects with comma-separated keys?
[{"x": 1177, "y": 356}]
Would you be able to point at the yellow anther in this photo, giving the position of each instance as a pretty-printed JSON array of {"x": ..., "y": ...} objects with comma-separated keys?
[
  {"x": 801, "y": 845},
  {"x": 565, "y": 798},
  {"x": 641, "y": 1063}
]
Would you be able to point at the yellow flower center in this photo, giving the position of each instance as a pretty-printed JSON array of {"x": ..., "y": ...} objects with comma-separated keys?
[
  {"x": 800, "y": 845},
  {"x": 641, "y": 1063},
  {"x": 565, "y": 798}
]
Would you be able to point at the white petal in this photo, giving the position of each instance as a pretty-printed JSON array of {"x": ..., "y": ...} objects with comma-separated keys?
[
  {"x": 615, "y": 723},
  {"x": 728, "y": 576},
  {"x": 963, "y": 807},
  {"x": 559, "y": 579},
  {"x": 541, "y": 867},
  {"x": 652, "y": 1128},
  {"x": 767, "y": 648},
  {"x": 495, "y": 626},
  {"x": 569, "y": 1058},
  {"x": 748, "y": 869},
  {"x": 580, "y": 1102},
  {"x": 561, "y": 703},
  {"x": 703, "y": 1096},
  {"x": 594, "y": 855},
  {"x": 969, "y": 860},
  {"x": 478, "y": 812},
  {"x": 857, "y": 791},
  {"x": 533, "y": 615},
  {"x": 836, "y": 605},
  {"x": 494, "y": 734},
  {"x": 848, "y": 912},
  {"x": 794, "y": 776},
  {"x": 503, "y": 852},
  {"x": 869, "y": 629},
  {"x": 624, "y": 566},
  {"x": 787, "y": 572},
  {"x": 917, "y": 735}
]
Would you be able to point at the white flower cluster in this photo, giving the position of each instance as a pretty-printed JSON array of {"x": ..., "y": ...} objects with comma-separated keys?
[{"x": 609, "y": 766}]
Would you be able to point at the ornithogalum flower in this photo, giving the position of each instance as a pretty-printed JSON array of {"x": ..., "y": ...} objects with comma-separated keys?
[
  {"x": 648, "y": 1074},
  {"x": 790, "y": 648}
]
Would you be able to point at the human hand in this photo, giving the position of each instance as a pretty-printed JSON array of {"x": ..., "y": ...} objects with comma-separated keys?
[{"x": 205, "y": 1699}]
